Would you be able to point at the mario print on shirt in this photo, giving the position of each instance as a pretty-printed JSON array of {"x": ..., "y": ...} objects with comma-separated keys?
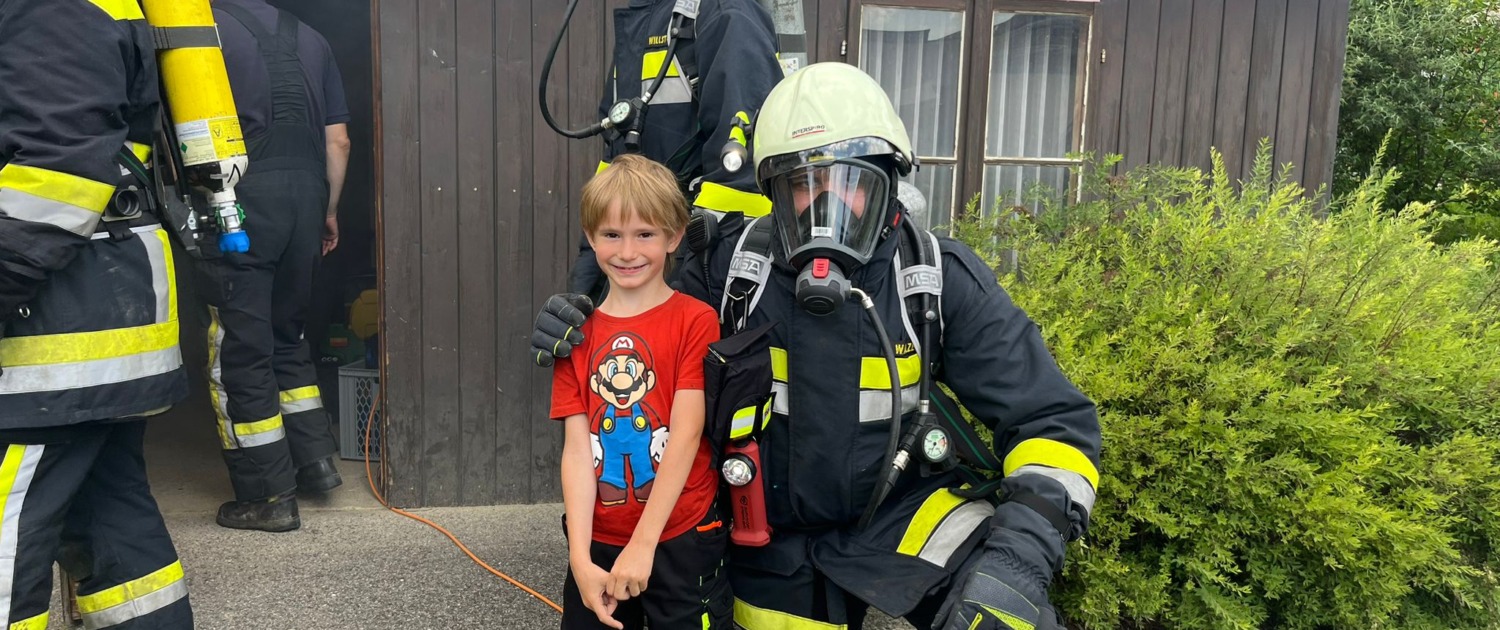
[{"x": 626, "y": 432}]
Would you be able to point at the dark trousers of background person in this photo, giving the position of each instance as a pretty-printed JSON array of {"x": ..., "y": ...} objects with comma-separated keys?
[
  {"x": 85, "y": 485},
  {"x": 262, "y": 380}
]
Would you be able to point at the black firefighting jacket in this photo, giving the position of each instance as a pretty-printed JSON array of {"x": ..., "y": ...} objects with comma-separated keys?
[
  {"x": 824, "y": 448},
  {"x": 734, "y": 50},
  {"x": 89, "y": 317}
]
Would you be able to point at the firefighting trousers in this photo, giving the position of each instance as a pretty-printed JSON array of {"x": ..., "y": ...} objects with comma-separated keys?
[
  {"x": 85, "y": 486},
  {"x": 262, "y": 381}
]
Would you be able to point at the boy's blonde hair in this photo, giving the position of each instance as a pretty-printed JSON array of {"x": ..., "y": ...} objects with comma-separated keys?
[{"x": 643, "y": 189}]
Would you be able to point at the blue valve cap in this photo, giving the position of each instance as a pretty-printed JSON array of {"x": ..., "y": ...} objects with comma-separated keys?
[{"x": 234, "y": 242}]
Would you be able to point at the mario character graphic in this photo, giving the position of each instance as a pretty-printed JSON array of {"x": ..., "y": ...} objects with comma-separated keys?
[{"x": 627, "y": 433}]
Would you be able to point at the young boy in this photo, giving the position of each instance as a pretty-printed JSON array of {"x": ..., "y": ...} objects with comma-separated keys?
[{"x": 644, "y": 543}]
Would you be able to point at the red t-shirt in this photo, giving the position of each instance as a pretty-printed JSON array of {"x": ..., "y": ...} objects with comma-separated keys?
[{"x": 624, "y": 378}]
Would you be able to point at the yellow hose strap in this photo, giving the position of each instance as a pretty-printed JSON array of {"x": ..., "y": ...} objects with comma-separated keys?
[
  {"x": 1044, "y": 452},
  {"x": 725, "y": 199}
]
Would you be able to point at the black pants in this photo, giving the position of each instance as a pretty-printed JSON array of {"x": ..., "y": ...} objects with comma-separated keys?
[
  {"x": 688, "y": 588},
  {"x": 86, "y": 486},
  {"x": 262, "y": 380}
]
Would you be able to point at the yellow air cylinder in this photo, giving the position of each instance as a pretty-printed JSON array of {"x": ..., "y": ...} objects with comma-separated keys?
[{"x": 197, "y": 87}]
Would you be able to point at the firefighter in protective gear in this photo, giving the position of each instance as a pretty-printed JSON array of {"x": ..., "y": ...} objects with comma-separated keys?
[
  {"x": 827, "y": 146},
  {"x": 725, "y": 63},
  {"x": 88, "y": 316},
  {"x": 276, "y": 436}
]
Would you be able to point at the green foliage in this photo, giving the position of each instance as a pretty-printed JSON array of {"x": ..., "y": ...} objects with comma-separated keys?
[
  {"x": 1428, "y": 73},
  {"x": 1301, "y": 415}
]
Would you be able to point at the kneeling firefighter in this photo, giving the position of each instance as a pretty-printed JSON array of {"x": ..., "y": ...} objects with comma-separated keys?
[
  {"x": 88, "y": 300},
  {"x": 944, "y": 544},
  {"x": 680, "y": 71}
]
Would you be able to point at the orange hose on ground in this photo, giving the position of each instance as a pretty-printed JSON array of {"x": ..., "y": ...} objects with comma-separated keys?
[{"x": 370, "y": 421}]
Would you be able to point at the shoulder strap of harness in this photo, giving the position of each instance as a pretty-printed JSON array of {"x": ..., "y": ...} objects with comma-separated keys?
[
  {"x": 687, "y": 31},
  {"x": 749, "y": 269}
]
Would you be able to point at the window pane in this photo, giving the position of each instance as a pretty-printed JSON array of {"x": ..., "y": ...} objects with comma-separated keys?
[
  {"x": 1034, "y": 68},
  {"x": 917, "y": 56},
  {"x": 935, "y": 182},
  {"x": 1012, "y": 184},
  {"x": 791, "y": 32}
]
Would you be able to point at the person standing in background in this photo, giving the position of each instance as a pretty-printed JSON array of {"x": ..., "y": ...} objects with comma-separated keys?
[{"x": 277, "y": 438}]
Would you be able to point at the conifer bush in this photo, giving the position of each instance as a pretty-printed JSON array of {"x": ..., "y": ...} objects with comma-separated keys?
[{"x": 1301, "y": 413}]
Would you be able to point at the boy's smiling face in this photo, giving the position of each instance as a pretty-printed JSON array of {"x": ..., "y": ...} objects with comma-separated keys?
[{"x": 632, "y": 252}]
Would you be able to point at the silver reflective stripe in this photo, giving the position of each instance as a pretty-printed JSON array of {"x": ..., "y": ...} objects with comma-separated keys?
[
  {"x": 875, "y": 404},
  {"x": 262, "y": 438},
  {"x": 138, "y": 607},
  {"x": 780, "y": 399},
  {"x": 956, "y": 527},
  {"x": 16, "y": 473},
  {"x": 61, "y": 376},
  {"x": 160, "y": 283},
  {"x": 25, "y": 206},
  {"x": 216, "y": 392},
  {"x": 1078, "y": 487},
  {"x": 673, "y": 89},
  {"x": 299, "y": 406}
]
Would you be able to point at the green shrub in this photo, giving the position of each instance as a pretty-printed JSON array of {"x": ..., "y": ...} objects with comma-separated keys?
[{"x": 1301, "y": 415}]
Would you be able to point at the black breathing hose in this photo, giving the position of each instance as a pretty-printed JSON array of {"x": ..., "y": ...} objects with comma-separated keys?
[
  {"x": 586, "y": 132},
  {"x": 887, "y": 481}
]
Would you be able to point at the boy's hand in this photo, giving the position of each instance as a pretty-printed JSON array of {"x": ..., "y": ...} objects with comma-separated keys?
[
  {"x": 592, "y": 586},
  {"x": 632, "y": 571}
]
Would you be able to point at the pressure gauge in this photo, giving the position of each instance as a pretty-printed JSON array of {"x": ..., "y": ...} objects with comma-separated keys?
[
  {"x": 738, "y": 470},
  {"x": 619, "y": 113},
  {"x": 935, "y": 444}
]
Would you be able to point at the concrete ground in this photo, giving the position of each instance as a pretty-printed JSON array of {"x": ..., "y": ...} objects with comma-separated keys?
[{"x": 353, "y": 565}]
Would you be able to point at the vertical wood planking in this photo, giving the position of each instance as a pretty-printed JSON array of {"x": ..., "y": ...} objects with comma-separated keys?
[
  {"x": 480, "y": 421},
  {"x": 1140, "y": 81},
  {"x": 552, "y": 242},
  {"x": 1202, "y": 82},
  {"x": 1265, "y": 77},
  {"x": 1327, "y": 83},
  {"x": 1296, "y": 85},
  {"x": 516, "y": 109},
  {"x": 401, "y": 221},
  {"x": 437, "y": 80},
  {"x": 1109, "y": 44},
  {"x": 1234, "y": 82},
  {"x": 1170, "y": 104}
]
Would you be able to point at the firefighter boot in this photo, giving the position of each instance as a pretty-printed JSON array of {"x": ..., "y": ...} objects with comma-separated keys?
[
  {"x": 319, "y": 476},
  {"x": 277, "y": 514}
]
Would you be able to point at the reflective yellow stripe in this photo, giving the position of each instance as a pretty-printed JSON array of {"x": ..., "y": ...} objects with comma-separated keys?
[
  {"x": 937, "y": 506},
  {"x": 121, "y": 9},
  {"x": 40, "y": 195},
  {"x": 216, "y": 392},
  {"x": 707, "y": 623},
  {"x": 778, "y": 364},
  {"x": 1044, "y": 452},
  {"x": 602, "y": 165},
  {"x": 755, "y": 618},
  {"x": 651, "y": 64},
  {"x": 134, "y": 589},
  {"x": 87, "y": 346},
  {"x": 171, "y": 273},
  {"x": 301, "y": 393},
  {"x": 875, "y": 373},
  {"x": 743, "y": 421},
  {"x": 725, "y": 199},
  {"x": 142, "y": 151},
  {"x": 1011, "y": 621},
  {"x": 38, "y": 622},
  {"x": 245, "y": 429}
]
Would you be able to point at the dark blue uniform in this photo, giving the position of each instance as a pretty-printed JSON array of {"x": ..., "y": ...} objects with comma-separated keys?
[
  {"x": 824, "y": 450},
  {"x": 734, "y": 50},
  {"x": 88, "y": 309}
]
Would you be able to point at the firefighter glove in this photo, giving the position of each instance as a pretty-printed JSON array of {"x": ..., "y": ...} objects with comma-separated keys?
[
  {"x": 559, "y": 327},
  {"x": 1001, "y": 593}
]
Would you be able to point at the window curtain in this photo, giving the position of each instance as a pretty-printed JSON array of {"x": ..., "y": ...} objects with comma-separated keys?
[{"x": 1032, "y": 97}]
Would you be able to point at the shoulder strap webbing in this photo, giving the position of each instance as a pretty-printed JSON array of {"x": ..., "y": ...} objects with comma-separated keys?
[
  {"x": 919, "y": 271},
  {"x": 749, "y": 269}
]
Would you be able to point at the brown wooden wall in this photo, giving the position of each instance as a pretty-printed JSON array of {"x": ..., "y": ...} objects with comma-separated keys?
[
  {"x": 478, "y": 197},
  {"x": 478, "y": 215},
  {"x": 1181, "y": 76}
]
